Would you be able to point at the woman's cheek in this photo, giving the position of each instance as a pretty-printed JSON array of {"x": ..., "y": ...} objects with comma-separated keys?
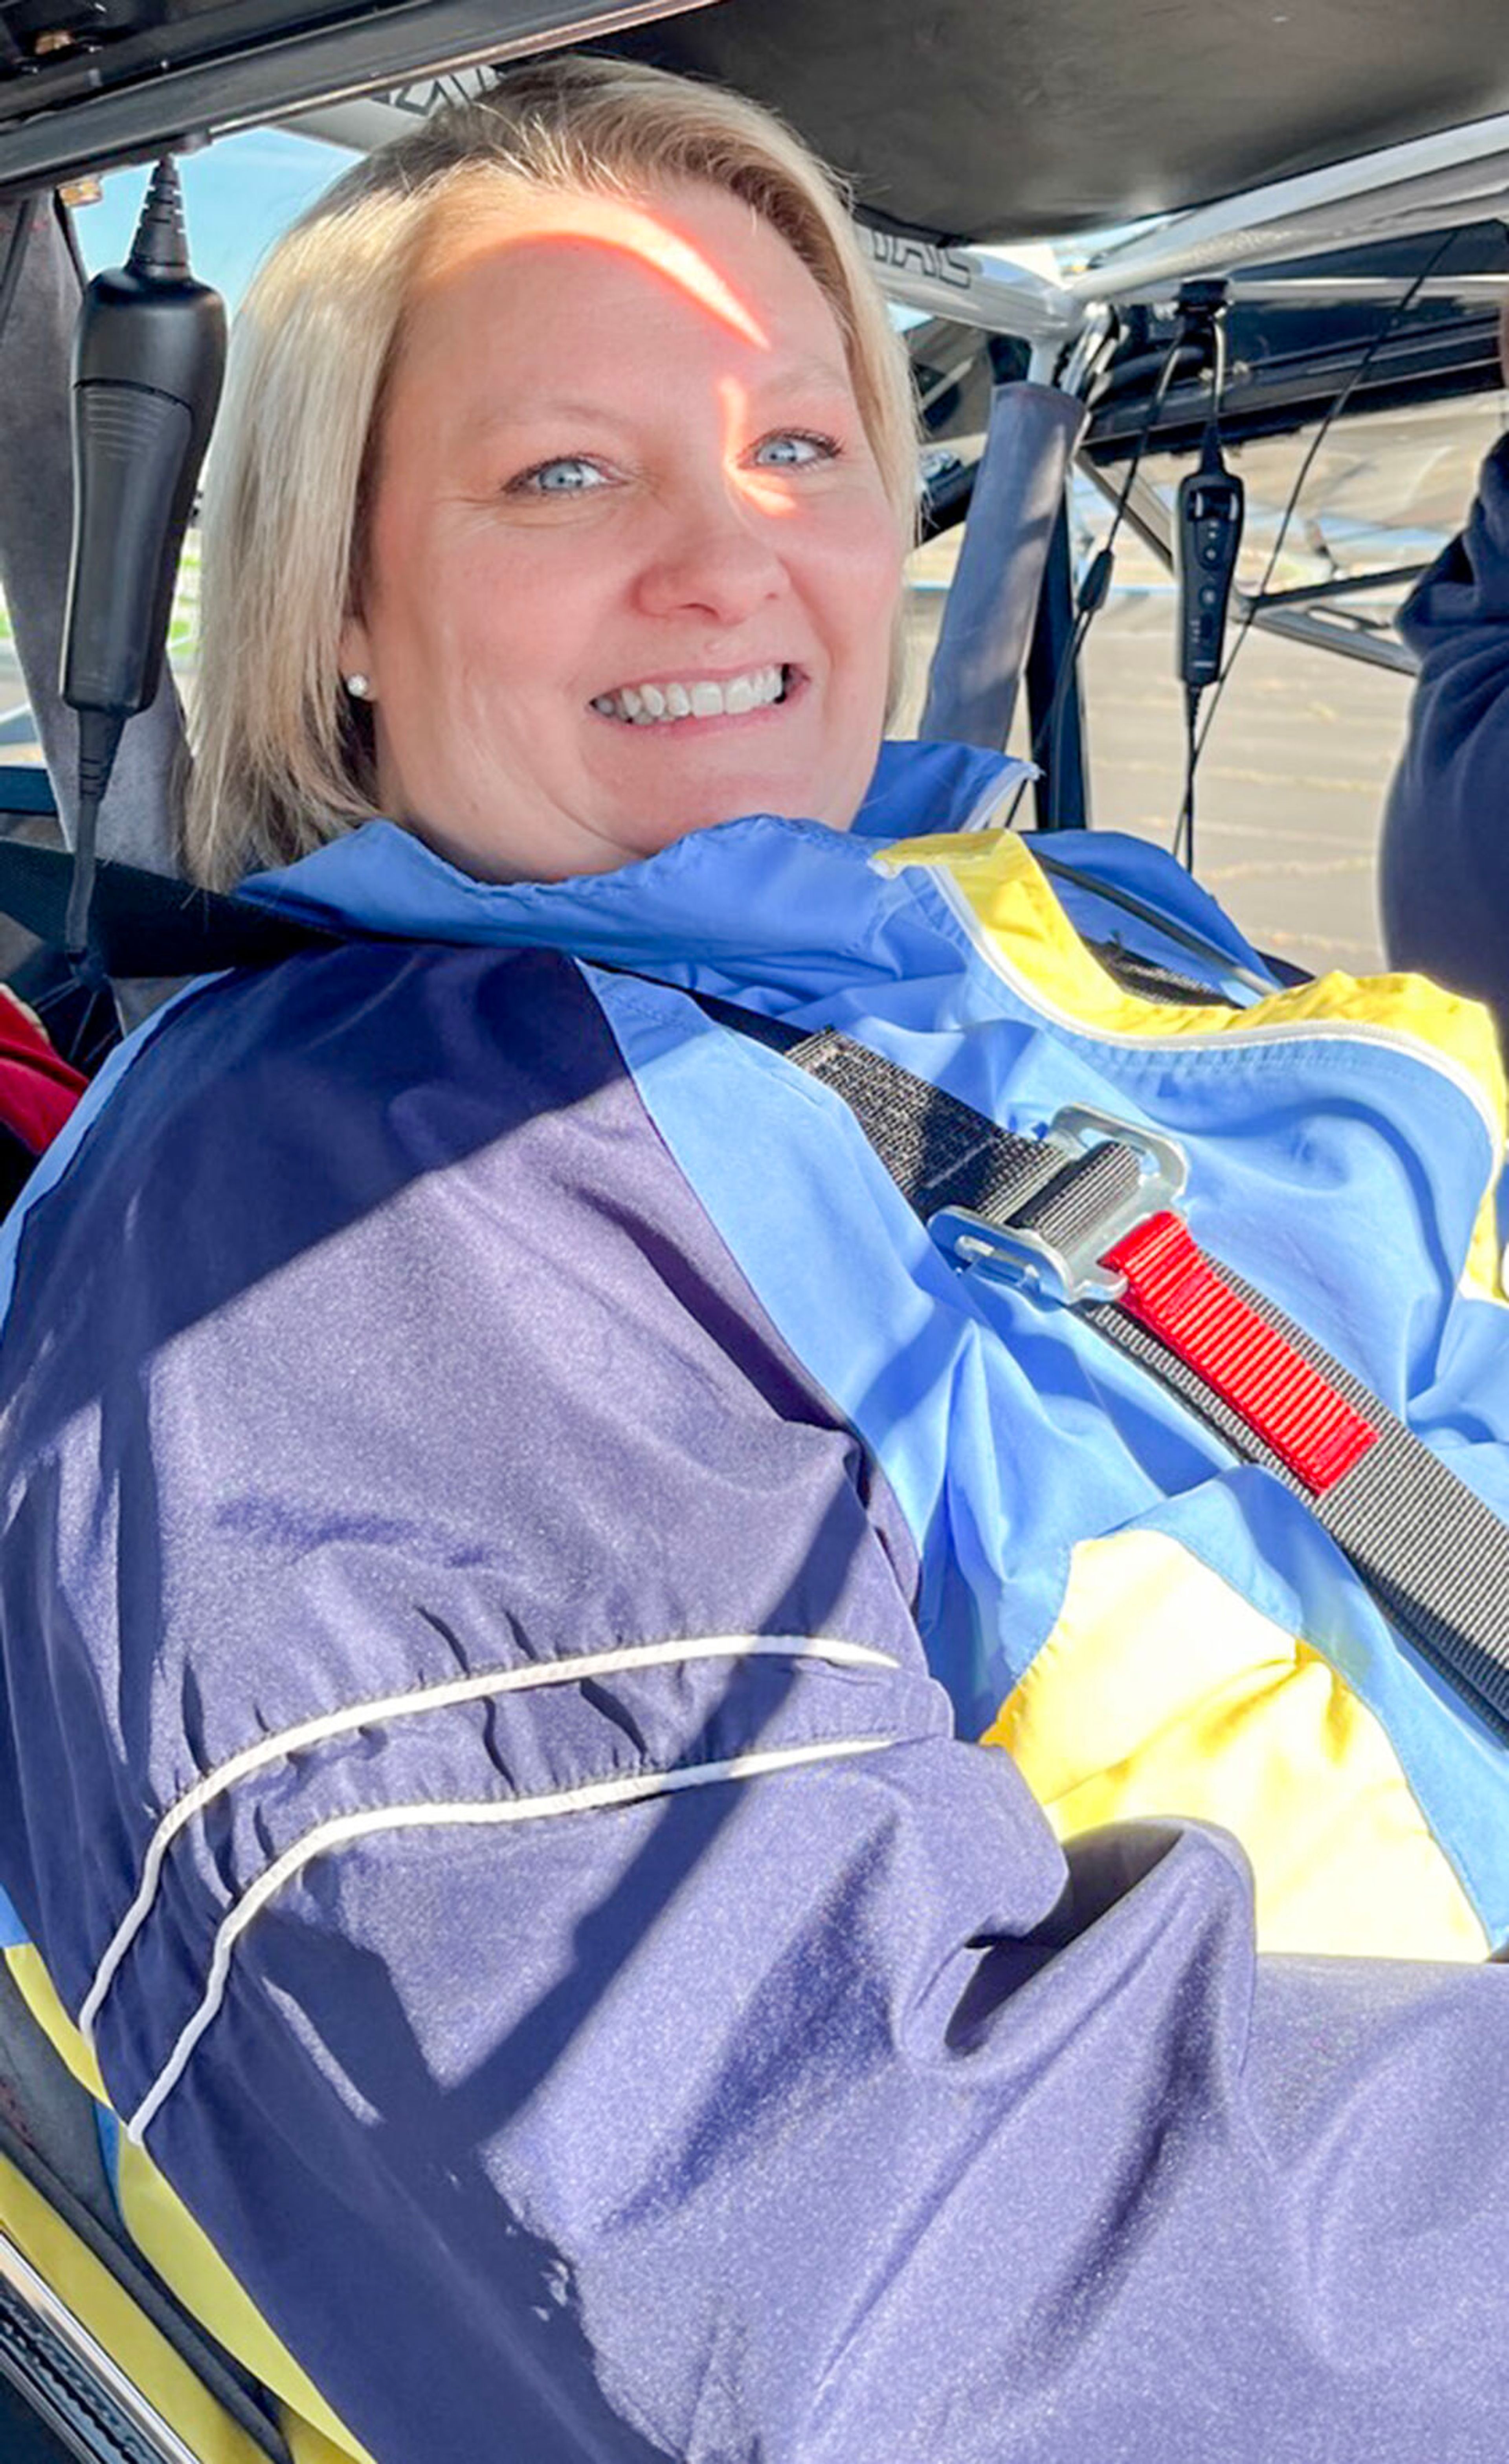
[{"x": 872, "y": 547}]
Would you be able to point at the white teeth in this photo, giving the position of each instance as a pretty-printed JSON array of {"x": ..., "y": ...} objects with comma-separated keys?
[{"x": 652, "y": 704}]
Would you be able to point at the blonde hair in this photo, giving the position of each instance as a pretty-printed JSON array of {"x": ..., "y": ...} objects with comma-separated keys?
[{"x": 283, "y": 757}]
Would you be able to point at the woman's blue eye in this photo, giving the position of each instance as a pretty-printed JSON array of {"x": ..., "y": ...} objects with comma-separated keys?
[
  {"x": 794, "y": 448},
  {"x": 569, "y": 474}
]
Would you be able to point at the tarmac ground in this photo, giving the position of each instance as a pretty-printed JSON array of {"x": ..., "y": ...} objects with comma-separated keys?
[{"x": 1290, "y": 789}]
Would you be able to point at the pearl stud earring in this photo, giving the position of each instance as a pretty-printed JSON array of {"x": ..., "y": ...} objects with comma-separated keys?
[{"x": 358, "y": 687}]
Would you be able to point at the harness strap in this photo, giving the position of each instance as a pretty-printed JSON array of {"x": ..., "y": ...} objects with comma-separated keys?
[{"x": 142, "y": 924}]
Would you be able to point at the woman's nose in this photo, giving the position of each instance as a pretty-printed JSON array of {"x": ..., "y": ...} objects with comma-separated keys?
[{"x": 717, "y": 555}]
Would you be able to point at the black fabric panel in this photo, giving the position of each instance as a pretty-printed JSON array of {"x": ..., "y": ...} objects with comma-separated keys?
[
  {"x": 16, "y": 1164},
  {"x": 1009, "y": 118},
  {"x": 23, "y": 2440},
  {"x": 986, "y": 119}
]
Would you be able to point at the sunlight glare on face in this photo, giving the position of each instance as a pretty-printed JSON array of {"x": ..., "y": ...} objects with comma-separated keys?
[
  {"x": 631, "y": 568},
  {"x": 766, "y": 495}
]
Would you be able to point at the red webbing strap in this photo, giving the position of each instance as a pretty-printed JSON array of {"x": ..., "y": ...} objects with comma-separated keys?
[{"x": 1173, "y": 1290}]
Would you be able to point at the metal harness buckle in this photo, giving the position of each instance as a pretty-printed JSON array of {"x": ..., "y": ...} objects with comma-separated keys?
[{"x": 1071, "y": 1273}]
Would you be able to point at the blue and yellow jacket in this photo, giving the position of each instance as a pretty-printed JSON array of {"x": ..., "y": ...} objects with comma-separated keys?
[{"x": 514, "y": 1540}]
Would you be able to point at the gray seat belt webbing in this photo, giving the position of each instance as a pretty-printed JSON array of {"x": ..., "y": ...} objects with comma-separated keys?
[{"x": 1434, "y": 1554}]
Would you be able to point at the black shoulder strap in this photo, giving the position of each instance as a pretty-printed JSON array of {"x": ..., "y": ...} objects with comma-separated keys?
[{"x": 142, "y": 924}]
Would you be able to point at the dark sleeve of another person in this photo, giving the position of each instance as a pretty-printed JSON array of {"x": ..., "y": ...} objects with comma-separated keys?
[{"x": 1444, "y": 878}]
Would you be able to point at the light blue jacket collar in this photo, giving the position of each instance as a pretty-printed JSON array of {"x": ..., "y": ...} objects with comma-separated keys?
[{"x": 744, "y": 892}]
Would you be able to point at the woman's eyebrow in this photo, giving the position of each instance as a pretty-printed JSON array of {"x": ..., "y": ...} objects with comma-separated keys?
[
  {"x": 805, "y": 374},
  {"x": 550, "y": 419},
  {"x": 542, "y": 408},
  {"x": 801, "y": 378}
]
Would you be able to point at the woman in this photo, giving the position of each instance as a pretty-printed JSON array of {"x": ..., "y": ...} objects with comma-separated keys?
[{"x": 511, "y": 1519}]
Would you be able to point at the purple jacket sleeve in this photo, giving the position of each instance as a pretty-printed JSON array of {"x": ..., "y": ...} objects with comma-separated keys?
[{"x": 786, "y": 2129}]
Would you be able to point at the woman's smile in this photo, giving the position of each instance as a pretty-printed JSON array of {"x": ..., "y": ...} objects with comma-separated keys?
[{"x": 673, "y": 700}]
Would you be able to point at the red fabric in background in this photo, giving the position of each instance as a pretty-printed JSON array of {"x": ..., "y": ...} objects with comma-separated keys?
[{"x": 37, "y": 1091}]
